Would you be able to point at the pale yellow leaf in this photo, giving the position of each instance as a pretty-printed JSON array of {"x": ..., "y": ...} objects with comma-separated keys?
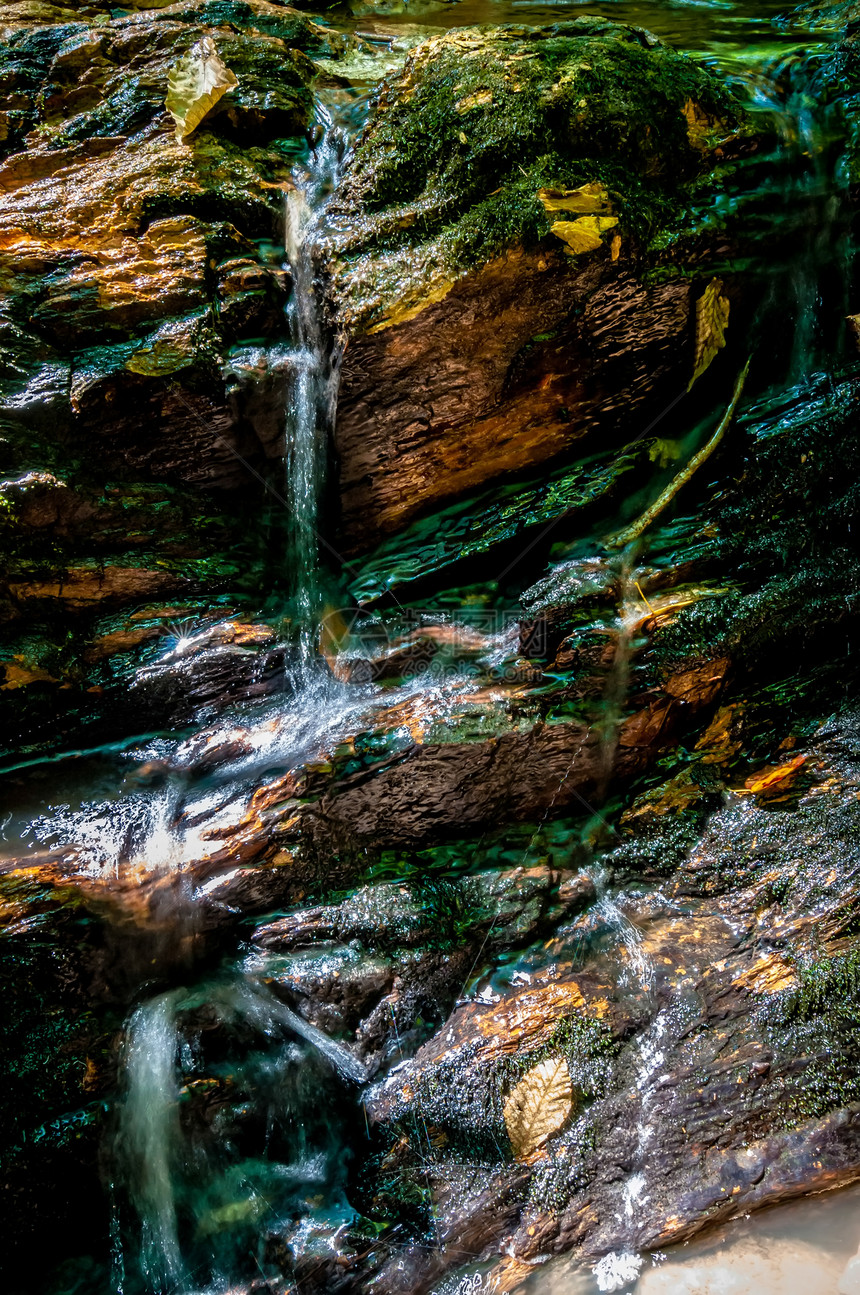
[
  {"x": 583, "y": 235},
  {"x": 482, "y": 99},
  {"x": 538, "y": 1106},
  {"x": 712, "y": 317},
  {"x": 588, "y": 199},
  {"x": 195, "y": 83}
]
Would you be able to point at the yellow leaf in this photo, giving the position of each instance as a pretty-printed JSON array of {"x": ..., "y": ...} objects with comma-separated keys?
[
  {"x": 699, "y": 126},
  {"x": 482, "y": 99},
  {"x": 588, "y": 199},
  {"x": 583, "y": 235},
  {"x": 712, "y": 317},
  {"x": 768, "y": 778},
  {"x": 538, "y": 1106},
  {"x": 616, "y": 246},
  {"x": 195, "y": 83}
]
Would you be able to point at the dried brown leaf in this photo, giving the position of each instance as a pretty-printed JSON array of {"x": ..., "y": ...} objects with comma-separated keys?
[
  {"x": 538, "y": 1106},
  {"x": 712, "y": 317},
  {"x": 195, "y": 83}
]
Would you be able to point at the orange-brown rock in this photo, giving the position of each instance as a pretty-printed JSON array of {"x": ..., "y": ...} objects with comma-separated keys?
[{"x": 490, "y": 325}]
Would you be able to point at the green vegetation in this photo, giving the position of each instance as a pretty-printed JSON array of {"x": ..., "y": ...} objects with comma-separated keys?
[{"x": 449, "y": 167}]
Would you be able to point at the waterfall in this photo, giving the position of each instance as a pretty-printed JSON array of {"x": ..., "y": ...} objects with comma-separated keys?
[
  {"x": 312, "y": 394},
  {"x": 150, "y": 1136},
  {"x": 811, "y": 190},
  {"x": 198, "y": 1188}
]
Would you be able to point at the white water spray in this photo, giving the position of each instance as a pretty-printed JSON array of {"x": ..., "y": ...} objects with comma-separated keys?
[
  {"x": 312, "y": 395},
  {"x": 150, "y": 1136}
]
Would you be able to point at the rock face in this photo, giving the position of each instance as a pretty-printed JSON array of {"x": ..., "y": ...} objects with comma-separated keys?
[
  {"x": 130, "y": 258},
  {"x": 615, "y": 842},
  {"x": 501, "y": 213},
  {"x": 134, "y": 273},
  {"x": 709, "y": 1042}
]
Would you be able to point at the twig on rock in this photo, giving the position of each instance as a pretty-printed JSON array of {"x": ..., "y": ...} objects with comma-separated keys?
[{"x": 666, "y": 496}]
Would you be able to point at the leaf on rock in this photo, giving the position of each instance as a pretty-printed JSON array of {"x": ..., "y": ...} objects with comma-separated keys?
[
  {"x": 699, "y": 126},
  {"x": 588, "y": 199},
  {"x": 704, "y": 131},
  {"x": 769, "y": 777},
  {"x": 195, "y": 83},
  {"x": 583, "y": 235},
  {"x": 538, "y": 1106},
  {"x": 481, "y": 99},
  {"x": 854, "y": 325},
  {"x": 712, "y": 317}
]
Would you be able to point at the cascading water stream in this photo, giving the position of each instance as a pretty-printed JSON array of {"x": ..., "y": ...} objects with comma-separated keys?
[
  {"x": 150, "y": 1137},
  {"x": 810, "y": 184},
  {"x": 197, "y": 1189},
  {"x": 153, "y": 1153},
  {"x": 312, "y": 396}
]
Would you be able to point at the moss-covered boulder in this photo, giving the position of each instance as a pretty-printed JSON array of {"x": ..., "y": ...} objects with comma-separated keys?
[{"x": 497, "y": 230}]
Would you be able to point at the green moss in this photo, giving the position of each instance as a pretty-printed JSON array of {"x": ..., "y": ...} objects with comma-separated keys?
[
  {"x": 482, "y": 118},
  {"x": 789, "y": 502},
  {"x": 826, "y": 986}
]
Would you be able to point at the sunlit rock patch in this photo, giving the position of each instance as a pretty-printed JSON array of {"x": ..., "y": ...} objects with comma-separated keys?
[{"x": 133, "y": 271}]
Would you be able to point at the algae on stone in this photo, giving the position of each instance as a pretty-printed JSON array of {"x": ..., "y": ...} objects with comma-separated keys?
[{"x": 460, "y": 148}]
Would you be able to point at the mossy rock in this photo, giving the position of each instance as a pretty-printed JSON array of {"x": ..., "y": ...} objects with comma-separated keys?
[
  {"x": 491, "y": 258},
  {"x": 448, "y": 169}
]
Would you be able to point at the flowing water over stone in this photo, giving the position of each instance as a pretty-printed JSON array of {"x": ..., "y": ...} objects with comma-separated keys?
[
  {"x": 302, "y": 1003},
  {"x": 312, "y": 400}
]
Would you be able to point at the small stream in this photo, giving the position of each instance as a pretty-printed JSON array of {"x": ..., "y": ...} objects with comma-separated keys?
[{"x": 229, "y": 1142}]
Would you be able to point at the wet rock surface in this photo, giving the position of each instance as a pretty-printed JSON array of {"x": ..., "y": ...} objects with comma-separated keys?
[
  {"x": 727, "y": 1033},
  {"x": 134, "y": 270},
  {"x": 480, "y": 341},
  {"x": 599, "y": 860}
]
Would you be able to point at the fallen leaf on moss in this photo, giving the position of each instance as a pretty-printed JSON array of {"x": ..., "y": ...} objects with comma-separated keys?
[
  {"x": 583, "y": 235},
  {"x": 195, "y": 83},
  {"x": 588, "y": 199},
  {"x": 712, "y": 317},
  {"x": 481, "y": 99},
  {"x": 673, "y": 797},
  {"x": 706, "y": 133},
  {"x": 720, "y": 741},
  {"x": 538, "y": 1105}
]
